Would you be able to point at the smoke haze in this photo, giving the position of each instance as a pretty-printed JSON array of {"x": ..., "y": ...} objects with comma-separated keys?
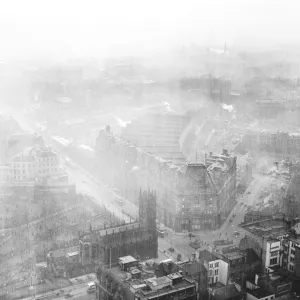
[{"x": 36, "y": 29}]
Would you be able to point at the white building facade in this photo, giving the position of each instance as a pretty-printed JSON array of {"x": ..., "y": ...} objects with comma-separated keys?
[
  {"x": 37, "y": 164},
  {"x": 217, "y": 271}
]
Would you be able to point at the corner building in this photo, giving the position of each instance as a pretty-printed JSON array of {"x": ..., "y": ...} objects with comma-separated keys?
[{"x": 190, "y": 196}]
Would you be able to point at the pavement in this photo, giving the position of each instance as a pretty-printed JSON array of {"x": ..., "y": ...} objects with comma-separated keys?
[{"x": 78, "y": 288}]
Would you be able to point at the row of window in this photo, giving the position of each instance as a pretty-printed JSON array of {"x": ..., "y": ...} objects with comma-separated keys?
[
  {"x": 273, "y": 261},
  {"x": 33, "y": 165},
  {"x": 274, "y": 253},
  {"x": 14, "y": 172},
  {"x": 293, "y": 245},
  {"x": 211, "y": 265}
]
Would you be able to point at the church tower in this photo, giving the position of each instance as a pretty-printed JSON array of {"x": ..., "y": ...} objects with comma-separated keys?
[{"x": 147, "y": 210}]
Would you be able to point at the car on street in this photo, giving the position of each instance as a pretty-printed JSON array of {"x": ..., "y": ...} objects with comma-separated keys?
[
  {"x": 91, "y": 287},
  {"x": 236, "y": 233}
]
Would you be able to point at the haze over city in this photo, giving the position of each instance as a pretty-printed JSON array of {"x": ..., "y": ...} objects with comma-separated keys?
[
  {"x": 150, "y": 150},
  {"x": 66, "y": 28}
]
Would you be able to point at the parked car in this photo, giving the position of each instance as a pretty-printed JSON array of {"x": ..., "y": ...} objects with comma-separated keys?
[{"x": 68, "y": 296}]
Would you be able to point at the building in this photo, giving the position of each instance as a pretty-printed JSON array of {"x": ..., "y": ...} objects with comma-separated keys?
[
  {"x": 244, "y": 172},
  {"x": 282, "y": 144},
  {"x": 237, "y": 264},
  {"x": 138, "y": 238},
  {"x": 39, "y": 163},
  {"x": 166, "y": 267},
  {"x": 59, "y": 259},
  {"x": 198, "y": 273},
  {"x": 254, "y": 292},
  {"x": 218, "y": 269},
  {"x": 190, "y": 196},
  {"x": 137, "y": 283},
  {"x": 268, "y": 286},
  {"x": 264, "y": 237},
  {"x": 276, "y": 243},
  {"x": 291, "y": 201},
  {"x": 218, "y": 89},
  {"x": 170, "y": 287},
  {"x": 226, "y": 292},
  {"x": 290, "y": 251}
]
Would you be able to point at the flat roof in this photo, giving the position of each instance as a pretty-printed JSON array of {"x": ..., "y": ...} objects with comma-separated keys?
[
  {"x": 294, "y": 239},
  {"x": 127, "y": 259},
  {"x": 156, "y": 281},
  {"x": 73, "y": 253},
  {"x": 259, "y": 293},
  {"x": 182, "y": 285},
  {"x": 174, "y": 276},
  {"x": 233, "y": 255},
  {"x": 266, "y": 228}
]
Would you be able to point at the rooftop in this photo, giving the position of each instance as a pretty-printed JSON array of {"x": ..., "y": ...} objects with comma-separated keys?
[
  {"x": 120, "y": 275},
  {"x": 158, "y": 134},
  {"x": 259, "y": 293},
  {"x": 158, "y": 281},
  {"x": 270, "y": 228},
  {"x": 127, "y": 259},
  {"x": 30, "y": 154},
  {"x": 181, "y": 285},
  {"x": 207, "y": 256},
  {"x": 193, "y": 268},
  {"x": 225, "y": 292},
  {"x": 233, "y": 255},
  {"x": 70, "y": 254},
  {"x": 148, "y": 285},
  {"x": 62, "y": 252},
  {"x": 294, "y": 239}
]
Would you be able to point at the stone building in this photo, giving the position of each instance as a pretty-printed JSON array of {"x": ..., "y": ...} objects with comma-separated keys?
[
  {"x": 137, "y": 238},
  {"x": 280, "y": 144},
  {"x": 218, "y": 89},
  {"x": 190, "y": 196}
]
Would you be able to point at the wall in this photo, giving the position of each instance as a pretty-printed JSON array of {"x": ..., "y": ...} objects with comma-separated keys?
[
  {"x": 34, "y": 166},
  {"x": 3, "y": 173},
  {"x": 223, "y": 272},
  {"x": 218, "y": 271},
  {"x": 291, "y": 256},
  {"x": 252, "y": 297},
  {"x": 281, "y": 143},
  {"x": 297, "y": 261},
  {"x": 127, "y": 168},
  {"x": 272, "y": 252}
]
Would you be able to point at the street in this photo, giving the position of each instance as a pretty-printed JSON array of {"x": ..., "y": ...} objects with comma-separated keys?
[{"x": 103, "y": 196}]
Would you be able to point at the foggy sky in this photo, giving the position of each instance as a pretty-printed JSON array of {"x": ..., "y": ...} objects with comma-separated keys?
[{"x": 54, "y": 28}]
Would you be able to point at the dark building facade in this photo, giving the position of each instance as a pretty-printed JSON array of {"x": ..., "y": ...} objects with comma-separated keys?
[
  {"x": 282, "y": 144},
  {"x": 218, "y": 89},
  {"x": 138, "y": 238},
  {"x": 190, "y": 196}
]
